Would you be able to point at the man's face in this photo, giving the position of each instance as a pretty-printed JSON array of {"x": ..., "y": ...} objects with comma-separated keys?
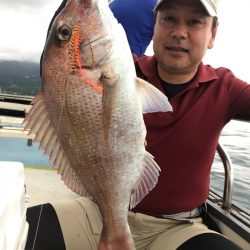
[{"x": 182, "y": 34}]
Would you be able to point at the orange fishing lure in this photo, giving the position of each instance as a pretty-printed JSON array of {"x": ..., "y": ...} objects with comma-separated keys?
[{"x": 75, "y": 59}]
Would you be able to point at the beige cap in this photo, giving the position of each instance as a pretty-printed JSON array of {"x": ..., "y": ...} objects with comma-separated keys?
[{"x": 210, "y": 6}]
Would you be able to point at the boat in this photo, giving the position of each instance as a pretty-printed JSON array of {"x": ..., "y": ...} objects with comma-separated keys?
[{"x": 230, "y": 218}]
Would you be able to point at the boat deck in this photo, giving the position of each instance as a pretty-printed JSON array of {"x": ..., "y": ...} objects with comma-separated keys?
[{"x": 44, "y": 185}]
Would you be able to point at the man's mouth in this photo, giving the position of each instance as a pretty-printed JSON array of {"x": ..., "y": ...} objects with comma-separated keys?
[{"x": 177, "y": 49}]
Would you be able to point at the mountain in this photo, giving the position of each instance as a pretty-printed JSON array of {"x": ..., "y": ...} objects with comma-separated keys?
[{"x": 20, "y": 77}]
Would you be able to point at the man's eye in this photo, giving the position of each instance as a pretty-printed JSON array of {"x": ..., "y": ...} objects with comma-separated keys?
[
  {"x": 168, "y": 19},
  {"x": 195, "y": 22}
]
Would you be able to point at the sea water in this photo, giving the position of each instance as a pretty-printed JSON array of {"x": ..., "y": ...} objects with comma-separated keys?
[{"x": 235, "y": 139}]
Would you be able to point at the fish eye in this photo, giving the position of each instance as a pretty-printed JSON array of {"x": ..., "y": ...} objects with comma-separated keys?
[{"x": 64, "y": 33}]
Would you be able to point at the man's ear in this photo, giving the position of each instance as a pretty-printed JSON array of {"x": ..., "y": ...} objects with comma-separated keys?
[{"x": 211, "y": 42}]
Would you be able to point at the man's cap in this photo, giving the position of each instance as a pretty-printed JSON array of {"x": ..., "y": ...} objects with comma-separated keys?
[{"x": 210, "y": 6}]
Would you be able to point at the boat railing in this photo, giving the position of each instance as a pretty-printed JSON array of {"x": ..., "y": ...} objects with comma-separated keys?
[
  {"x": 229, "y": 177},
  {"x": 228, "y": 215},
  {"x": 227, "y": 199}
]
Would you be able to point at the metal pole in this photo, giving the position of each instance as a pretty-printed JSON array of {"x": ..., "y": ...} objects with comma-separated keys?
[{"x": 229, "y": 178}]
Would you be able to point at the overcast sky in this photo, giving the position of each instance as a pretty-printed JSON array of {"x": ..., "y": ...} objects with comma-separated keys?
[{"x": 24, "y": 25}]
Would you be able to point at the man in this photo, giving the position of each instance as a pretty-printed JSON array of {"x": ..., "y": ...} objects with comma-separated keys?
[
  {"x": 203, "y": 99},
  {"x": 183, "y": 142}
]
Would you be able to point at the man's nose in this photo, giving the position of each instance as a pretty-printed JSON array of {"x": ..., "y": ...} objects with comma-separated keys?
[{"x": 179, "y": 32}]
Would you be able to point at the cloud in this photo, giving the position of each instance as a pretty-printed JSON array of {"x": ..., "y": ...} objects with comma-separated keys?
[
  {"x": 16, "y": 4},
  {"x": 19, "y": 55},
  {"x": 24, "y": 28}
]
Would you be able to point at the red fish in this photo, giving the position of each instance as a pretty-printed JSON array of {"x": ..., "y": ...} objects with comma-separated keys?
[{"x": 89, "y": 115}]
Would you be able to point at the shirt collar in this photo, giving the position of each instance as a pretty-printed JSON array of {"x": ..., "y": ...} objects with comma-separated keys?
[{"x": 148, "y": 66}]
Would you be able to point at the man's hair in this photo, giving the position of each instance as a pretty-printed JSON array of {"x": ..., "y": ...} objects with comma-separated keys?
[{"x": 215, "y": 22}]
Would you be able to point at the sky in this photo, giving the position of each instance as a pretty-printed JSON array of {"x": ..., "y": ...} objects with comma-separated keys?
[{"x": 24, "y": 26}]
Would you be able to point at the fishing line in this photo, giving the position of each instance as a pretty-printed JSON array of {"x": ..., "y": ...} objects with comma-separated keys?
[
  {"x": 38, "y": 223},
  {"x": 63, "y": 105}
]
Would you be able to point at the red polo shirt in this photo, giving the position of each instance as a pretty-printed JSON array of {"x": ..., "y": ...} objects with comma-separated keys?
[{"x": 184, "y": 142}]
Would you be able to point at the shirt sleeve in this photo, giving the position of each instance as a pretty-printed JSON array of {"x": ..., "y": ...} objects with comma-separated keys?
[
  {"x": 238, "y": 93},
  {"x": 137, "y": 19}
]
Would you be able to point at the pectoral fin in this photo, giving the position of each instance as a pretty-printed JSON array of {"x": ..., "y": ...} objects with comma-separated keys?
[
  {"x": 109, "y": 79},
  {"x": 153, "y": 100}
]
